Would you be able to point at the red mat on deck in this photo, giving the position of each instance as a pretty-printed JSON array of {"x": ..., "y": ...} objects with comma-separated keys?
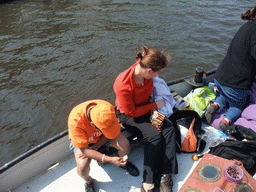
[{"x": 209, "y": 174}]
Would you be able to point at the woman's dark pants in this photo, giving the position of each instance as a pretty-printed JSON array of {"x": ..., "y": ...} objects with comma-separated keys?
[{"x": 159, "y": 148}]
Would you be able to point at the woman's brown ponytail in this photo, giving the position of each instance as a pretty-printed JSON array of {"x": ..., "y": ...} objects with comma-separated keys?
[
  {"x": 151, "y": 58},
  {"x": 249, "y": 15}
]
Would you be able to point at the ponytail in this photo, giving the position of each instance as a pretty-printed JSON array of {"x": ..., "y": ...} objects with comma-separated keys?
[
  {"x": 151, "y": 58},
  {"x": 249, "y": 15}
]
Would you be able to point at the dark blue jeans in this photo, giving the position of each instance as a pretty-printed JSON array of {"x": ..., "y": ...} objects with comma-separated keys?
[
  {"x": 235, "y": 98},
  {"x": 159, "y": 148}
]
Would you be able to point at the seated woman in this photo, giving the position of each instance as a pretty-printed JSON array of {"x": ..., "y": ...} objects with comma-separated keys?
[{"x": 133, "y": 89}]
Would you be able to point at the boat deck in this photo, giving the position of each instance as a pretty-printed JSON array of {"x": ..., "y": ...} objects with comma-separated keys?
[{"x": 109, "y": 178}]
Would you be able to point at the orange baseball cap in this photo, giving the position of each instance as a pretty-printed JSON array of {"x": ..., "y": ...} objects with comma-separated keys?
[{"x": 103, "y": 116}]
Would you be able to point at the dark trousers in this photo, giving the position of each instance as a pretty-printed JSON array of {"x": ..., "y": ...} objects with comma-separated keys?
[{"x": 159, "y": 148}]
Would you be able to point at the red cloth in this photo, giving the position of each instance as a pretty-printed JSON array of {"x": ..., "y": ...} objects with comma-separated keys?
[{"x": 131, "y": 98}]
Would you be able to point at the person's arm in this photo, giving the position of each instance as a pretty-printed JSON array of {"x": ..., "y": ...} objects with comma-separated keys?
[
  {"x": 125, "y": 100},
  {"x": 93, "y": 154}
]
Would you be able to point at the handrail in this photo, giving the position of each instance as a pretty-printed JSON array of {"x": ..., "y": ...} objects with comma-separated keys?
[{"x": 179, "y": 80}]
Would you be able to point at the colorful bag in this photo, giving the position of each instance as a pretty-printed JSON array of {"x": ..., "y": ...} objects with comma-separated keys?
[
  {"x": 156, "y": 119},
  {"x": 191, "y": 121}
]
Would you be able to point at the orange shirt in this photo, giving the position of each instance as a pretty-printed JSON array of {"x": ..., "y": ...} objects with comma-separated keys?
[
  {"x": 80, "y": 130},
  {"x": 131, "y": 98}
]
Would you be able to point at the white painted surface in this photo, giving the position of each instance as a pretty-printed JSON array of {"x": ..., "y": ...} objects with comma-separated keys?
[{"x": 109, "y": 178}]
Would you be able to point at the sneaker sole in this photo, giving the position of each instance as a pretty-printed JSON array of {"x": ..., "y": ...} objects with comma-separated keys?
[
  {"x": 223, "y": 125},
  {"x": 209, "y": 114}
]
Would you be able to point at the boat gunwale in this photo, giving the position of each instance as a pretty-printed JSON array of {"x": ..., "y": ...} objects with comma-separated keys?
[{"x": 32, "y": 151}]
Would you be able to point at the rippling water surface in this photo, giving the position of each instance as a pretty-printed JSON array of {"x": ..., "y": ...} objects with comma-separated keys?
[{"x": 56, "y": 54}]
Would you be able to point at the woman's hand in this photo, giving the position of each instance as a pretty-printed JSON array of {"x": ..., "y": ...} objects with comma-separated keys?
[{"x": 160, "y": 103}]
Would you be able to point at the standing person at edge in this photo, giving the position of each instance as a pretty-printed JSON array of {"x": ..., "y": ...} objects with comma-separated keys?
[
  {"x": 236, "y": 73},
  {"x": 92, "y": 124},
  {"x": 133, "y": 89}
]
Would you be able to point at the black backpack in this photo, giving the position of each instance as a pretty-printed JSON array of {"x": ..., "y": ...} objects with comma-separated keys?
[
  {"x": 236, "y": 149},
  {"x": 185, "y": 118},
  {"x": 239, "y": 132}
]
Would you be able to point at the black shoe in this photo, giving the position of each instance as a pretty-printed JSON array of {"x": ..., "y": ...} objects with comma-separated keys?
[{"x": 131, "y": 169}]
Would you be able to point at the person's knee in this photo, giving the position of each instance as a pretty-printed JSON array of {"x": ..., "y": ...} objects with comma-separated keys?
[
  {"x": 121, "y": 142},
  {"x": 125, "y": 143},
  {"x": 82, "y": 162},
  {"x": 83, "y": 166}
]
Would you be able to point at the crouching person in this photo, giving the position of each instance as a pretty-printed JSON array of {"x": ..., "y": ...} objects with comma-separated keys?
[{"x": 92, "y": 124}]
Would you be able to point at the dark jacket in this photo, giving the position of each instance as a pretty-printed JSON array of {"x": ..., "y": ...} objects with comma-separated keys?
[
  {"x": 238, "y": 68},
  {"x": 239, "y": 150}
]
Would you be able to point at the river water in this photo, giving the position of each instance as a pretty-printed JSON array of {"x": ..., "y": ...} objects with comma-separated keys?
[{"x": 56, "y": 54}]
